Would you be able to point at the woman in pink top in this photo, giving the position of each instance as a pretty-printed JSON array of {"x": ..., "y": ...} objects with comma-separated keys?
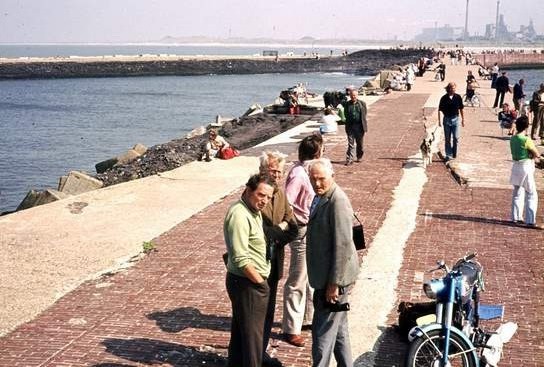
[{"x": 297, "y": 294}]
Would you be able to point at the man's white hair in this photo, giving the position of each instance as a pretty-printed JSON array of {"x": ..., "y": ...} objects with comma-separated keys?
[
  {"x": 321, "y": 162},
  {"x": 271, "y": 156}
]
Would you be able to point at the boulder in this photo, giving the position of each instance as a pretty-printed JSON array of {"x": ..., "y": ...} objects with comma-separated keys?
[
  {"x": 103, "y": 166},
  {"x": 253, "y": 110},
  {"x": 140, "y": 148},
  {"x": 79, "y": 182},
  {"x": 35, "y": 198},
  {"x": 196, "y": 132},
  {"x": 129, "y": 156}
]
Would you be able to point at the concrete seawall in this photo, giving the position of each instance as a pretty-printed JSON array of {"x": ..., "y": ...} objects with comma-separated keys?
[
  {"x": 363, "y": 62},
  {"x": 512, "y": 60}
]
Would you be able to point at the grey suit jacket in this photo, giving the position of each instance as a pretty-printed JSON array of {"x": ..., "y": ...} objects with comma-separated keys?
[{"x": 330, "y": 253}]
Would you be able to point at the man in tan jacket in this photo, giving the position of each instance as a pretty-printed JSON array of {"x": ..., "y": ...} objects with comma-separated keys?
[{"x": 280, "y": 228}]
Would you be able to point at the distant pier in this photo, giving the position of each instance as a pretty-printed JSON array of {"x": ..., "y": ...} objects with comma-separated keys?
[{"x": 364, "y": 62}]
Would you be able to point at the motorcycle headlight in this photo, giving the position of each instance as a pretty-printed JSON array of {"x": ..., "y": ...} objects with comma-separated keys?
[{"x": 433, "y": 287}]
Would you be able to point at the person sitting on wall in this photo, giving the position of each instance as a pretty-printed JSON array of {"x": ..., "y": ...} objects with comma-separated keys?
[
  {"x": 214, "y": 146},
  {"x": 329, "y": 122},
  {"x": 507, "y": 118}
]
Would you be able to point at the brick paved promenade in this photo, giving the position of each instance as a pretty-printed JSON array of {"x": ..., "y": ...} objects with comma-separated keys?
[{"x": 171, "y": 308}]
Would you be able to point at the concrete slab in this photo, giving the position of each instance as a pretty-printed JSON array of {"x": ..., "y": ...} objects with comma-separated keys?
[
  {"x": 36, "y": 198},
  {"x": 78, "y": 182}
]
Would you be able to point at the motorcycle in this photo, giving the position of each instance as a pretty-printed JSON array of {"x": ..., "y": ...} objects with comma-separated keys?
[{"x": 453, "y": 338}]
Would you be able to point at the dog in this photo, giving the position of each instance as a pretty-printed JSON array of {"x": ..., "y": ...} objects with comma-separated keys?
[{"x": 426, "y": 147}]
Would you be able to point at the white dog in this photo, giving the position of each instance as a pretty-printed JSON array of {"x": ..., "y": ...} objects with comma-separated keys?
[{"x": 426, "y": 147}]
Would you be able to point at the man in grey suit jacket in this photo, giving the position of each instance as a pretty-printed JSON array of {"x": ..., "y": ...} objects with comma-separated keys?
[{"x": 333, "y": 265}]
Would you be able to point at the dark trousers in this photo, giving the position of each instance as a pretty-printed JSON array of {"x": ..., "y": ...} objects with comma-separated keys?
[
  {"x": 538, "y": 122},
  {"x": 356, "y": 136},
  {"x": 272, "y": 281},
  {"x": 330, "y": 334},
  {"x": 249, "y": 302},
  {"x": 493, "y": 79},
  {"x": 442, "y": 75},
  {"x": 499, "y": 94}
]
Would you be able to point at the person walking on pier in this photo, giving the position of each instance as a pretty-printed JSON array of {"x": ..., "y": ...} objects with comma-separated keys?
[
  {"x": 524, "y": 155},
  {"x": 519, "y": 97},
  {"x": 356, "y": 125},
  {"x": 494, "y": 74},
  {"x": 247, "y": 271},
  {"x": 297, "y": 293},
  {"x": 537, "y": 108},
  {"x": 451, "y": 106},
  {"x": 441, "y": 71},
  {"x": 502, "y": 85},
  {"x": 280, "y": 228},
  {"x": 333, "y": 266}
]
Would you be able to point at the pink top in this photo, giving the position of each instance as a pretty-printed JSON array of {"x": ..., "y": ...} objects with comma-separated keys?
[{"x": 299, "y": 192}]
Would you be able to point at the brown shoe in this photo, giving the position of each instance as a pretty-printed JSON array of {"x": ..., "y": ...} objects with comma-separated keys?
[{"x": 296, "y": 340}]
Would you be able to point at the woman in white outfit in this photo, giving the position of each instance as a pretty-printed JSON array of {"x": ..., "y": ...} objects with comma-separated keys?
[{"x": 524, "y": 155}]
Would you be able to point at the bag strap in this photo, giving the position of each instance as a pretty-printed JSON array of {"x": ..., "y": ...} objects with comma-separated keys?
[{"x": 356, "y": 217}]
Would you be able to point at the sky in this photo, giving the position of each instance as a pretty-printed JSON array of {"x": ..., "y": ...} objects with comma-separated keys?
[{"x": 115, "y": 21}]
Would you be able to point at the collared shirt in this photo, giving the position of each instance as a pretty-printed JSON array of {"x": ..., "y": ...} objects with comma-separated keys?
[
  {"x": 245, "y": 240},
  {"x": 299, "y": 192},
  {"x": 520, "y": 146}
]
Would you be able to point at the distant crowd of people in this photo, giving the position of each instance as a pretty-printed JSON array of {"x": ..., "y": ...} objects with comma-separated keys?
[{"x": 517, "y": 121}]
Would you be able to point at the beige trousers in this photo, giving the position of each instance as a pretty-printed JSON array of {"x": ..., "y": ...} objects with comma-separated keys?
[{"x": 297, "y": 293}]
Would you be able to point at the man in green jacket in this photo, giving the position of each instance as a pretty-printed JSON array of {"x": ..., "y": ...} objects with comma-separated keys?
[
  {"x": 248, "y": 268},
  {"x": 356, "y": 126}
]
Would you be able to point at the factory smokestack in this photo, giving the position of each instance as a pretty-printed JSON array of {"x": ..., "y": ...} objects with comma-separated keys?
[
  {"x": 465, "y": 35},
  {"x": 497, "y": 21}
]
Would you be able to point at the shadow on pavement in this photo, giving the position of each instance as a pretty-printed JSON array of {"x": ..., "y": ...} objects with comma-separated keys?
[
  {"x": 504, "y": 138},
  {"x": 466, "y": 218},
  {"x": 150, "y": 351},
  {"x": 389, "y": 350},
  {"x": 176, "y": 320}
]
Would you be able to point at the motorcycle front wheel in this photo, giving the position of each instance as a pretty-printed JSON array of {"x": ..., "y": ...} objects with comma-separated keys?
[{"x": 424, "y": 351}]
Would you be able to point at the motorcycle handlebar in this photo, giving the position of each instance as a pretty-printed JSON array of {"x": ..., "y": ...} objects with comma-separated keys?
[{"x": 470, "y": 256}]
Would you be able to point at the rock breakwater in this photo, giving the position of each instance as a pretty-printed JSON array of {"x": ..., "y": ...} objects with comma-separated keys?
[
  {"x": 365, "y": 62},
  {"x": 242, "y": 133}
]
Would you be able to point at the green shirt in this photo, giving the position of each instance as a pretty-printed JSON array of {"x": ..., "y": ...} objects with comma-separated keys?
[
  {"x": 246, "y": 244},
  {"x": 519, "y": 146}
]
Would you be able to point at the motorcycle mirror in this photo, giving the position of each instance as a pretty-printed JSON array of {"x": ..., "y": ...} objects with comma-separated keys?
[{"x": 440, "y": 263}]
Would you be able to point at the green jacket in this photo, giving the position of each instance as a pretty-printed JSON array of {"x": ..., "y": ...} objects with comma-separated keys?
[{"x": 355, "y": 113}]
